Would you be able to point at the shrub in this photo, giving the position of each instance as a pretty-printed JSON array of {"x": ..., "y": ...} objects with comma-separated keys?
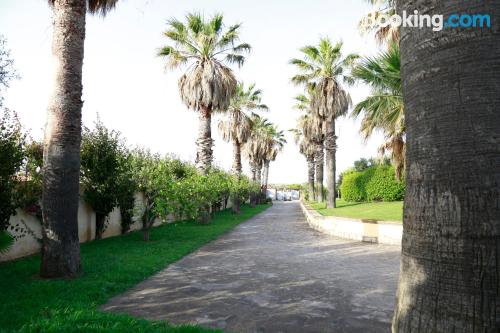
[
  {"x": 127, "y": 187},
  {"x": 353, "y": 187},
  {"x": 376, "y": 183},
  {"x": 102, "y": 153},
  {"x": 12, "y": 143},
  {"x": 28, "y": 191},
  {"x": 242, "y": 188},
  {"x": 148, "y": 172},
  {"x": 382, "y": 185}
]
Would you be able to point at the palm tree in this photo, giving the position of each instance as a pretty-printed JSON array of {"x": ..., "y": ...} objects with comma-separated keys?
[
  {"x": 255, "y": 148},
  {"x": 236, "y": 126},
  {"x": 314, "y": 129},
  {"x": 208, "y": 85},
  {"x": 383, "y": 35},
  {"x": 276, "y": 142},
  {"x": 450, "y": 278},
  {"x": 384, "y": 108},
  {"x": 326, "y": 67},
  {"x": 310, "y": 137},
  {"x": 306, "y": 148},
  {"x": 61, "y": 169}
]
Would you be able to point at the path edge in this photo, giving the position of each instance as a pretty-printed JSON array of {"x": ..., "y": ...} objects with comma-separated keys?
[{"x": 369, "y": 231}]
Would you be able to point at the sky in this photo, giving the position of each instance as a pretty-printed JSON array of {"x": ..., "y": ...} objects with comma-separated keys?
[{"x": 128, "y": 86}]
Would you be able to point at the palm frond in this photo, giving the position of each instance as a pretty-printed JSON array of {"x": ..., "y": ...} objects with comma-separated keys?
[
  {"x": 206, "y": 47},
  {"x": 96, "y": 7}
]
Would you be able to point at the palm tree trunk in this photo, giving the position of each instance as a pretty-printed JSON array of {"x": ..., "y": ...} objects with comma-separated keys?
[
  {"x": 450, "y": 261},
  {"x": 259, "y": 181},
  {"x": 204, "y": 154},
  {"x": 237, "y": 158},
  {"x": 253, "y": 171},
  {"x": 258, "y": 173},
  {"x": 265, "y": 180},
  {"x": 60, "y": 246},
  {"x": 204, "y": 143},
  {"x": 310, "y": 178},
  {"x": 330, "y": 148},
  {"x": 319, "y": 157},
  {"x": 236, "y": 205}
]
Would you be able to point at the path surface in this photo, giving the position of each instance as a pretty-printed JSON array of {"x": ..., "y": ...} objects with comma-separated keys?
[{"x": 273, "y": 274}]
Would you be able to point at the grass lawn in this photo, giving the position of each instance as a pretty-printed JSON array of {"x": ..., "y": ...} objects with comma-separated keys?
[
  {"x": 382, "y": 211},
  {"x": 111, "y": 266}
]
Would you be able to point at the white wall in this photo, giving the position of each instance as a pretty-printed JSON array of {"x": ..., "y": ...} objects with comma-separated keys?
[{"x": 28, "y": 245}]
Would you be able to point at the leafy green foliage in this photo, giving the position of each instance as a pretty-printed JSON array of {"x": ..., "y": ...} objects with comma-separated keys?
[
  {"x": 12, "y": 141},
  {"x": 384, "y": 108},
  {"x": 243, "y": 187},
  {"x": 28, "y": 190},
  {"x": 102, "y": 155},
  {"x": 151, "y": 176},
  {"x": 353, "y": 186},
  {"x": 127, "y": 188},
  {"x": 362, "y": 164},
  {"x": 376, "y": 183},
  {"x": 72, "y": 305},
  {"x": 382, "y": 186}
]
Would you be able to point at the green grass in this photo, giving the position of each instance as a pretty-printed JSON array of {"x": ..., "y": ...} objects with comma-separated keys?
[
  {"x": 381, "y": 211},
  {"x": 110, "y": 267}
]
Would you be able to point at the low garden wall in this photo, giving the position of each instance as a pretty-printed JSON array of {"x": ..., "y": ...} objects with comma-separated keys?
[
  {"x": 383, "y": 232},
  {"x": 28, "y": 244}
]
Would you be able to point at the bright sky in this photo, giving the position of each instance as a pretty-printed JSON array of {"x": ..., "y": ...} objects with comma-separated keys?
[{"x": 128, "y": 86}]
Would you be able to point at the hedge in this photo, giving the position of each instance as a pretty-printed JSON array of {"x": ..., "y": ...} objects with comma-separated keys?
[{"x": 373, "y": 184}]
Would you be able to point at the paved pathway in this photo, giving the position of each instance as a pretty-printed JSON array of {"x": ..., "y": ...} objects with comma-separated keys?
[{"x": 273, "y": 274}]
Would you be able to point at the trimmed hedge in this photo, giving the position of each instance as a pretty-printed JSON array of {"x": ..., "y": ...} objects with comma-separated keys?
[{"x": 373, "y": 184}]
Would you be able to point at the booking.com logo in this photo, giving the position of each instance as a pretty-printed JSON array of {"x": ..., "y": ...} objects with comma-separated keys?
[{"x": 436, "y": 22}]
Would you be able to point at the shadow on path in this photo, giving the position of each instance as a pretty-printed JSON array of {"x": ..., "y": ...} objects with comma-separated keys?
[{"x": 273, "y": 274}]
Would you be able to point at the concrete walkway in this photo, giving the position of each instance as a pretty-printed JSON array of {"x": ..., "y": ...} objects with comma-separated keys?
[{"x": 273, "y": 274}]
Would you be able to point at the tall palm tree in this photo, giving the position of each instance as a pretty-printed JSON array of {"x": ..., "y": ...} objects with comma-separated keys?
[
  {"x": 310, "y": 137},
  {"x": 61, "y": 169},
  {"x": 306, "y": 148},
  {"x": 384, "y": 108},
  {"x": 236, "y": 126},
  {"x": 326, "y": 67},
  {"x": 314, "y": 129},
  {"x": 383, "y": 35},
  {"x": 449, "y": 278},
  {"x": 276, "y": 142},
  {"x": 255, "y": 148},
  {"x": 208, "y": 85}
]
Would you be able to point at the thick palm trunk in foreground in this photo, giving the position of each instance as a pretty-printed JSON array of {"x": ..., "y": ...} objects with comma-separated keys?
[
  {"x": 330, "y": 149},
  {"x": 204, "y": 143},
  {"x": 61, "y": 247},
  {"x": 310, "y": 176},
  {"x": 450, "y": 262},
  {"x": 319, "y": 157}
]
